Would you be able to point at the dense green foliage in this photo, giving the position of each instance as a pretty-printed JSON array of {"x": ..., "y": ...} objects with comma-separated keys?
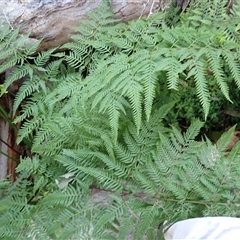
[{"x": 98, "y": 116}]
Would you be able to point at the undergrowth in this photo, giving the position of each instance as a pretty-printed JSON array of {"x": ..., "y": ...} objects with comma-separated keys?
[{"x": 103, "y": 115}]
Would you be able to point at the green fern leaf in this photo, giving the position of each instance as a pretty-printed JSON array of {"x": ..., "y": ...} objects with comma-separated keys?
[
  {"x": 103, "y": 177},
  {"x": 135, "y": 99},
  {"x": 125, "y": 228},
  {"x": 145, "y": 183},
  {"x": 149, "y": 79},
  {"x": 124, "y": 44},
  {"x": 224, "y": 141},
  {"x": 104, "y": 219},
  {"x": 5, "y": 29},
  {"x": 29, "y": 127},
  {"x": 74, "y": 59},
  {"x": 18, "y": 73},
  {"x": 234, "y": 153},
  {"x": 6, "y": 53},
  {"x": 114, "y": 115},
  {"x": 11, "y": 62},
  {"x": 197, "y": 72},
  {"x": 65, "y": 197},
  {"x": 233, "y": 65},
  {"x": 146, "y": 220},
  {"x": 31, "y": 48},
  {"x": 193, "y": 130},
  {"x": 28, "y": 88},
  {"x": 43, "y": 57},
  {"x": 214, "y": 62}
]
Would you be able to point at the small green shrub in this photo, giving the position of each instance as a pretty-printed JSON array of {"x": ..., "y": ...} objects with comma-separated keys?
[{"x": 98, "y": 116}]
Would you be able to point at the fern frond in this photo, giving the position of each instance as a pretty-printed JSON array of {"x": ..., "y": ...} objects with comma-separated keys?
[
  {"x": 28, "y": 127},
  {"x": 43, "y": 57},
  {"x": 14, "y": 49},
  {"x": 75, "y": 59},
  {"x": 145, "y": 182},
  {"x": 116, "y": 166},
  {"x": 31, "y": 108},
  {"x": 52, "y": 68},
  {"x": 149, "y": 78},
  {"x": 6, "y": 53},
  {"x": 224, "y": 141},
  {"x": 6, "y": 221},
  {"x": 197, "y": 72},
  {"x": 146, "y": 220},
  {"x": 214, "y": 62},
  {"x": 233, "y": 65},
  {"x": 123, "y": 43},
  {"x": 11, "y": 62},
  {"x": 104, "y": 178},
  {"x": 173, "y": 67},
  {"x": 193, "y": 130},
  {"x": 123, "y": 154},
  {"x": 28, "y": 88},
  {"x": 114, "y": 115},
  {"x": 125, "y": 228},
  {"x": 18, "y": 73},
  {"x": 135, "y": 99},
  {"x": 66, "y": 197},
  {"x": 31, "y": 48},
  {"x": 113, "y": 212},
  {"x": 5, "y": 29},
  {"x": 68, "y": 86}
]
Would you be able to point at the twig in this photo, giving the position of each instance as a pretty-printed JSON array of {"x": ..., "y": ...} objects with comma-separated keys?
[
  {"x": 10, "y": 147},
  {"x": 8, "y": 21},
  {"x": 144, "y": 6},
  {"x": 150, "y": 12}
]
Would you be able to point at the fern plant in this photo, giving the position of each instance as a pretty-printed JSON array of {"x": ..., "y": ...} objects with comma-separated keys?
[
  {"x": 145, "y": 184},
  {"x": 94, "y": 115},
  {"x": 123, "y": 65},
  {"x": 15, "y": 49}
]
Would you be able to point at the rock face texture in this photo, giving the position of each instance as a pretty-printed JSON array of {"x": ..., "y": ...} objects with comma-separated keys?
[{"x": 52, "y": 20}]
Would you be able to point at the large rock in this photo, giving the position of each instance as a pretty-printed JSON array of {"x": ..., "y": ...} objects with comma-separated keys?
[{"x": 52, "y": 20}]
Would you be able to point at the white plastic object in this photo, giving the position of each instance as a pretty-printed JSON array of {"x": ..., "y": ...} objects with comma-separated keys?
[{"x": 209, "y": 228}]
